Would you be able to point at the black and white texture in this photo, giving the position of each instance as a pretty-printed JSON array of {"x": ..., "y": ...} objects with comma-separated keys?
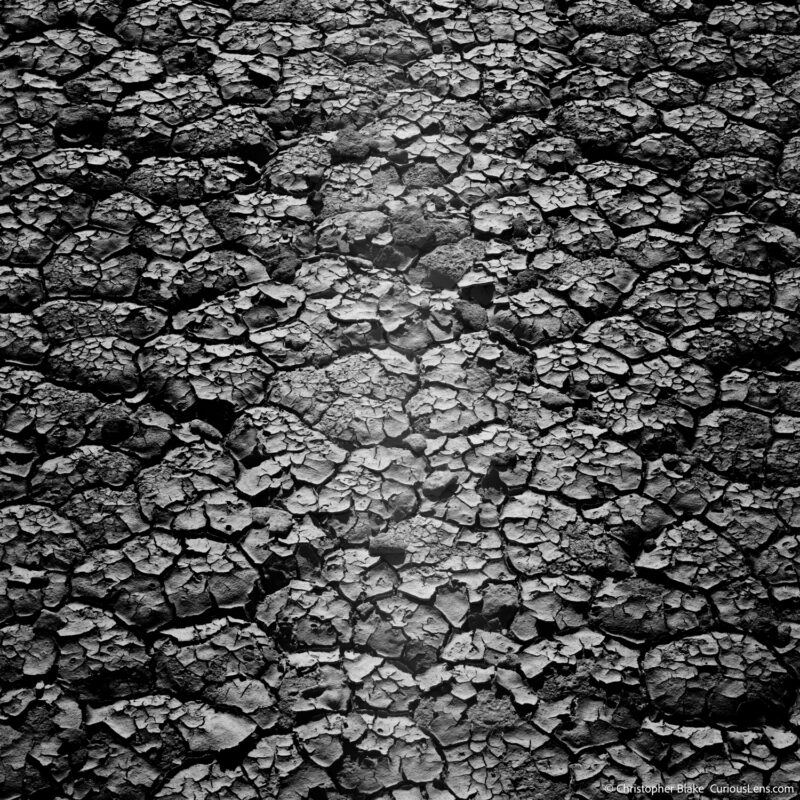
[{"x": 400, "y": 400}]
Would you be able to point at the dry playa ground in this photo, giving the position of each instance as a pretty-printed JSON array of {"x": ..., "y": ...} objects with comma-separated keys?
[{"x": 400, "y": 400}]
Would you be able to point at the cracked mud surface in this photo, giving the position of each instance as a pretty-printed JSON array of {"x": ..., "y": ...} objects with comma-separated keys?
[{"x": 400, "y": 400}]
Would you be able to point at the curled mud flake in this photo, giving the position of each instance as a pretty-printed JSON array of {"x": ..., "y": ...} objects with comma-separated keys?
[
  {"x": 354, "y": 400},
  {"x": 155, "y": 28},
  {"x": 209, "y": 575},
  {"x": 591, "y": 15},
  {"x": 767, "y": 55},
  {"x": 60, "y": 53},
  {"x": 58, "y": 478},
  {"x": 67, "y": 320},
  {"x": 99, "y": 656},
  {"x": 104, "y": 515},
  {"x": 600, "y": 125},
  {"x": 628, "y": 54},
  {"x": 36, "y": 538},
  {"x": 232, "y": 131},
  {"x": 402, "y": 753},
  {"x": 376, "y": 483},
  {"x": 713, "y": 133},
  {"x": 538, "y": 548},
  {"x": 578, "y": 463},
  {"x": 21, "y": 339},
  {"x": 182, "y": 490},
  {"x": 25, "y": 654},
  {"x": 639, "y": 610},
  {"x": 103, "y": 362},
  {"x": 177, "y": 284},
  {"x": 745, "y": 337},
  {"x": 693, "y": 555},
  {"x": 737, "y": 442},
  {"x": 740, "y": 20},
  {"x": 275, "y": 449},
  {"x": 185, "y": 374},
  {"x": 208, "y": 779},
  {"x": 686, "y": 296},
  {"x": 718, "y": 676},
  {"x": 739, "y": 241},
  {"x": 686, "y": 48},
  {"x": 193, "y": 726},
  {"x": 386, "y": 41},
  {"x": 256, "y": 309}
]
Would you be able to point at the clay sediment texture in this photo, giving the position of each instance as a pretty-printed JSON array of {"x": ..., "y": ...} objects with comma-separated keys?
[{"x": 400, "y": 400}]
